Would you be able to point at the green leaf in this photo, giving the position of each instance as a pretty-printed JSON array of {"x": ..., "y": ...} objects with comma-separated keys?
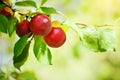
[
  {"x": 27, "y": 75},
  {"x": 49, "y": 56},
  {"x": 107, "y": 39},
  {"x": 14, "y": 74},
  {"x": 4, "y": 23},
  {"x": 1, "y": 6},
  {"x": 26, "y": 3},
  {"x": 43, "y": 2},
  {"x": 3, "y": 75},
  {"x": 42, "y": 53},
  {"x": 39, "y": 46},
  {"x": 90, "y": 36},
  {"x": 95, "y": 39},
  {"x": 13, "y": 22},
  {"x": 49, "y": 10},
  {"x": 19, "y": 45},
  {"x": 19, "y": 60},
  {"x": 99, "y": 39}
]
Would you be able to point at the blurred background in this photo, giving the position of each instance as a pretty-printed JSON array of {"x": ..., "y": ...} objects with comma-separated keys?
[{"x": 73, "y": 61}]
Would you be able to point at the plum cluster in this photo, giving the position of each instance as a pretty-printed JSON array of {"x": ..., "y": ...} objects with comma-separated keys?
[{"x": 40, "y": 25}]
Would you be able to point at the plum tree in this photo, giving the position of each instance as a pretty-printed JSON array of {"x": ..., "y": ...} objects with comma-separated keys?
[{"x": 38, "y": 23}]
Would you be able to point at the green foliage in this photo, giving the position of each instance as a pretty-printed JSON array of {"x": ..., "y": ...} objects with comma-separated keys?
[
  {"x": 26, "y": 3},
  {"x": 21, "y": 51},
  {"x": 42, "y": 53},
  {"x": 27, "y": 75},
  {"x": 2, "y": 75},
  {"x": 20, "y": 60},
  {"x": 4, "y": 23},
  {"x": 19, "y": 46},
  {"x": 107, "y": 39},
  {"x": 12, "y": 25},
  {"x": 8, "y": 24},
  {"x": 49, "y": 10},
  {"x": 49, "y": 56},
  {"x": 96, "y": 39},
  {"x": 99, "y": 39},
  {"x": 43, "y": 2},
  {"x": 90, "y": 37},
  {"x": 1, "y": 6}
]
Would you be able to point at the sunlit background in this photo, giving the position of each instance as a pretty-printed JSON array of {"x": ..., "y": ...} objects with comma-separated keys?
[{"x": 72, "y": 61}]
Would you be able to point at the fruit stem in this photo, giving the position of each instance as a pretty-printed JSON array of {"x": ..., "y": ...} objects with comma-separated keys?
[{"x": 32, "y": 38}]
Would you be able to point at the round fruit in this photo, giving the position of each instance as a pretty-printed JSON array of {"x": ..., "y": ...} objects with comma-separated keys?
[
  {"x": 23, "y": 28},
  {"x": 4, "y": 12},
  {"x": 40, "y": 25},
  {"x": 55, "y": 38}
]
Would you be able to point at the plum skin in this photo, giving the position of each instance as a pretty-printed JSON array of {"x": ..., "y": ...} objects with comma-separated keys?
[
  {"x": 40, "y": 25},
  {"x": 23, "y": 28},
  {"x": 55, "y": 38}
]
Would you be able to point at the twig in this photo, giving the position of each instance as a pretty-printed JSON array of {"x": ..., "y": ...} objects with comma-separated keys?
[
  {"x": 82, "y": 24},
  {"x": 103, "y": 25}
]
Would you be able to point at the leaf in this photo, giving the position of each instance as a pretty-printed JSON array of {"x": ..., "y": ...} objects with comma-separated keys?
[
  {"x": 49, "y": 56},
  {"x": 19, "y": 60},
  {"x": 27, "y": 75},
  {"x": 19, "y": 45},
  {"x": 1, "y": 6},
  {"x": 99, "y": 39},
  {"x": 4, "y": 23},
  {"x": 26, "y": 3},
  {"x": 41, "y": 52},
  {"x": 13, "y": 22},
  {"x": 3, "y": 75},
  {"x": 39, "y": 46},
  {"x": 49, "y": 10},
  {"x": 43, "y": 2},
  {"x": 14, "y": 74},
  {"x": 107, "y": 39},
  {"x": 95, "y": 39},
  {"x": 90, "y": 36}
]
